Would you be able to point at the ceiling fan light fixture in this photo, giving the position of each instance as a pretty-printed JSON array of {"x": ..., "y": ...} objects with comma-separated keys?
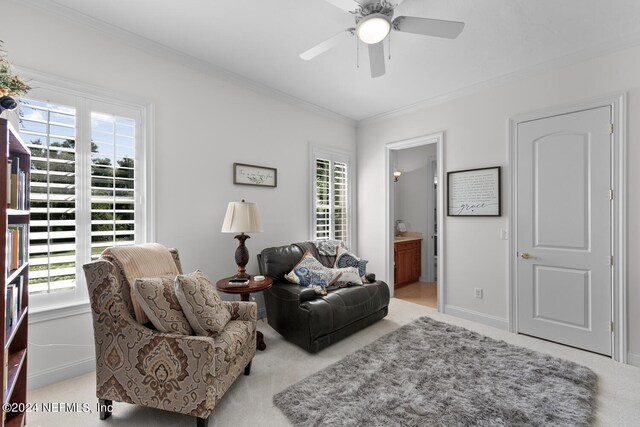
[{"x": 373, "y": 28}]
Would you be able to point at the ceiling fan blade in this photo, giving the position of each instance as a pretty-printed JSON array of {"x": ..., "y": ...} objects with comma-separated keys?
[
  {"x": 376, "y": 59},
  {"x": 428, "y": 27},
  {"x": 346, "y": 5},
  {"x": 327, "y": 44}
]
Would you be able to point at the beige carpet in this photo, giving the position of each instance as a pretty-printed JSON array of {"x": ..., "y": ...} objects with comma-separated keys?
[{"x": 249, "y": 401}]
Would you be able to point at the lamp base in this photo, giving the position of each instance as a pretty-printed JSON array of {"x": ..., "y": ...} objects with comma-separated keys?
[{"x": 242, "y": 256}]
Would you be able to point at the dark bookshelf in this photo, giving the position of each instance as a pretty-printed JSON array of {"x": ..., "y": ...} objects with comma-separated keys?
[{"x": 14, "y": 215}]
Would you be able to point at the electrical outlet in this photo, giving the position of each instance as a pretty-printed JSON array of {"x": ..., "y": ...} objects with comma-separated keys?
[{"x": 478, "y": 292}]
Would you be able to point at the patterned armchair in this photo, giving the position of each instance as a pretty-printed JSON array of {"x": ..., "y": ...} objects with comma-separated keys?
[{"x": 139, "y": 365}]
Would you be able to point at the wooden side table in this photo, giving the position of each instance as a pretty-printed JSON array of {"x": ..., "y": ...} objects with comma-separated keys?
[{"x": 222, "y": 285}]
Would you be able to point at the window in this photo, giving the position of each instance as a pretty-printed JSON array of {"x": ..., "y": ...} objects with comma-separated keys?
[
  {"x": 331, "y": 210},
  {"x": 50, "y": 132},
  {"x": 87, "y": 187}
]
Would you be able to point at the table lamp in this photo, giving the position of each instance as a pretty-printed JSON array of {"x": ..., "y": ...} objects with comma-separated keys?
[{"x": 242, "y": 217}]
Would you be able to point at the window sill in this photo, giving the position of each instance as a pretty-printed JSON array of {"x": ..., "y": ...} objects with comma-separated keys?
[{"x": 53, "y": 312}]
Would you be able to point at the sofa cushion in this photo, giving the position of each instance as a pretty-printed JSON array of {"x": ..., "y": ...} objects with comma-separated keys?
[
  {"x": 344, "y": 306},
  {"x": 201, "y": 304},
  {"x": 158, "y": 300},
  {"x": 347, "y": 259},
  {"x": 309, "y": 272}
]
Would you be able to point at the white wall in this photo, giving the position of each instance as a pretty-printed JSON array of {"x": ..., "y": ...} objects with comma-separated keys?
[
  {"x": 203, "y": 124},
  {"x": 476, "y": 135}
]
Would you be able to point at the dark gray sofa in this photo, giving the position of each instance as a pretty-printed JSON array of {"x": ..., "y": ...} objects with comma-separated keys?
[{"x": 309, "y": 320}]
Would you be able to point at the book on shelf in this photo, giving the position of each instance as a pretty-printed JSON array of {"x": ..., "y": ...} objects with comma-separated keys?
[
  {"x": 9, "y": 306},
  {"x": 16, "y": 185},
  {"x": 16, "y": 246},
  {"x": 15, "y": 169},
  {"x": 22, "y": 197},
  {"x": 14, "y": 305},
  {"x": 12, "y": 302},
  {"x": 9, "y": 162},
  {"x": 6, "y": 375}
]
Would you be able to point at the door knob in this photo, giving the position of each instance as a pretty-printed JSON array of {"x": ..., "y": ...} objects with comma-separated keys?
[{"x": 524, "y": 255}]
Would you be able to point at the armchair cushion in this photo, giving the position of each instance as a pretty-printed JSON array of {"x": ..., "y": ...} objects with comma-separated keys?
[
  {"x": 158, "y": 300},
  {"x": 201, "y": 304}
]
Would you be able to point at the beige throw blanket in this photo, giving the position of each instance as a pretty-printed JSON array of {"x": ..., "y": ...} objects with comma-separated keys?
[{"x": 145, "y": 260}]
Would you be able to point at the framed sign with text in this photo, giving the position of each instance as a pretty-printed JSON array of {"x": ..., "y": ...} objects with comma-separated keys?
[
  {"x": 474, "y": 192},
  {"x": 255, "y": 175}
]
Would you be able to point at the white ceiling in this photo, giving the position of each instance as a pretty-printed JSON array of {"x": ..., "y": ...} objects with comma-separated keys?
[{"x": 260, "y": 40}]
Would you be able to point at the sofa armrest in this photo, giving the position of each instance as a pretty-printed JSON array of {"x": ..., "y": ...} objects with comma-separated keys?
[
  {"x": 307, "y": 294},
  {"x": 292, "y": 292},
  {"x": 242, "y": 310}
]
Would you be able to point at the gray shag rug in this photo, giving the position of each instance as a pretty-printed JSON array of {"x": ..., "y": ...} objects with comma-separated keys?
[{"x": 429, "y": 373}]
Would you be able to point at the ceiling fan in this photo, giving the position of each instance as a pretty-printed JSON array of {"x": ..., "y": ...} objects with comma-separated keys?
[{"x": 374, "y": 22}]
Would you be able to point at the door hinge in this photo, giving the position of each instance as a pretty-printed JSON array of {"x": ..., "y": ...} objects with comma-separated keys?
[
  {"x": 611, "y": 260},
  {"x": 611, "y": 128},
  {"x": 610, "y": 194},
  {"x": 611, "y": 327}
]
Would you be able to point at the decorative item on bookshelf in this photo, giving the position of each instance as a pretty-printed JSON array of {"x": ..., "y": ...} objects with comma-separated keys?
[{"x": 11, "y": 85}]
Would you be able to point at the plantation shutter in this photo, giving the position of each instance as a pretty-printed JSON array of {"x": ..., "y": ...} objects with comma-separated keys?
[
  {"x": 323, "y": 199},
  {"x": 331, "y": 210},
  {"x": 112, "y": 182},
  {"x": 340, "y": 202},
  {"x": 49, "y": 130}
]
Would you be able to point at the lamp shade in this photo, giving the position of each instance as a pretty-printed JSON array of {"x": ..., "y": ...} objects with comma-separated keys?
[{"x": 242, "y": 217}]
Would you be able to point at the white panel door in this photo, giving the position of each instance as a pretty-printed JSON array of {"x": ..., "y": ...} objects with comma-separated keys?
[{"x": 564, "y": 271}]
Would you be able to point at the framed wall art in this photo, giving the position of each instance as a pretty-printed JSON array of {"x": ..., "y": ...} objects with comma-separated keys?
[
  {"x": 474, "y": 192},
  {"x": 262, "y": 176}
]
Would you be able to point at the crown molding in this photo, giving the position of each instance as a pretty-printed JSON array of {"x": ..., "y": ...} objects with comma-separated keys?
[
  {"x": 50, "y": 7},
  {"x": 593, "y": 52}
]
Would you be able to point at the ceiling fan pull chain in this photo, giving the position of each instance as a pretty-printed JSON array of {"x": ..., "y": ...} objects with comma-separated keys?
[
  {"x": 389, "y": 46},
  {"x": 357, "y": 53}
]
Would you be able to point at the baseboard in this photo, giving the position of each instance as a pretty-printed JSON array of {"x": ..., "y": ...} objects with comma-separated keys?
[
  {"x": 485, "y": 319},
  {"x": 633, "y": 359},
  {"x": 59, "y": 373}
]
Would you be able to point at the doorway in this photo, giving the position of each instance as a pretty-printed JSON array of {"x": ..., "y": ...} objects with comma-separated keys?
[
  {"x": 414, "y": 220},
  {"x": 565, "y": 249}
]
